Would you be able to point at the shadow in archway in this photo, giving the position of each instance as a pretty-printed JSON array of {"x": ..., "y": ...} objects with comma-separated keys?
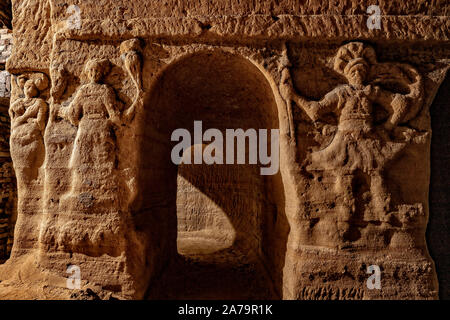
[
  {"x": 438, "y": 232},
  {"x": 224, "y": 92}
]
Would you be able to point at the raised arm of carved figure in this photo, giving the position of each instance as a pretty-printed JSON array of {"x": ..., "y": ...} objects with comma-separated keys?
[
  {"x": 111, "y": 105},
  {"x": 402, "y": 107},
  {"x": 31, "y": 85},
  {"x": 74, "y": 111},
  {"x": 42, "y": 113},
  {"x": 314, "y": 109},
  {"x": 16, "y": 110},
  {"x": 129, "y": 114},
  {"x": 30, "y": 112}
]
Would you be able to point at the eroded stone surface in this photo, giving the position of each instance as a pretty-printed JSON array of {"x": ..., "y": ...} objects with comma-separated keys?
[
  {"x": 8, "y": 194},
  {"x": 94, "y": 105}
]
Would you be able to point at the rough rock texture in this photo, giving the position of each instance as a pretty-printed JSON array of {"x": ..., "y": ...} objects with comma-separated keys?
[
  {"x": 99, "y": 88},
  {"x": 8, "y": 195}
]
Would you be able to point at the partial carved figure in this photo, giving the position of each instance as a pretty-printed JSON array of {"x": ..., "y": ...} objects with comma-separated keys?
[
  {"x": 367, "y": 139},
  {"x": 59, "y": 82},
  {"x": 28, "y": 121},
  {"x": 131, "y": 54}
]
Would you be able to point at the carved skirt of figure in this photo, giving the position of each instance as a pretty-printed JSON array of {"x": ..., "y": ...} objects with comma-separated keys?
[
  {"x": 93, "y": 164},
  {"x": 27, "y": 149},
  {"x": 356, "y": 145}
]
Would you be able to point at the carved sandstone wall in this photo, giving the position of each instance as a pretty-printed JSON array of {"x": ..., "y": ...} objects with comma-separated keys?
[
  {"x": 7, "y": 178},
  {"x": 98, "y": 88}
]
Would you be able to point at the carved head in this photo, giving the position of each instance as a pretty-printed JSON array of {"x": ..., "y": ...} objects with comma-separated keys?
[
  {"x": 30, "y": 89},
  {"x": 353, "y": 60},
  {"x": 96, "y": 69},
  {"x": 21, "y": 80},
  {"x": 32, "y": 84}
]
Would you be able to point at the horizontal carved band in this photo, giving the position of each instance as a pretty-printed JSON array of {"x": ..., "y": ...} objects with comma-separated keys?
[{"x": 268, "y": 27}]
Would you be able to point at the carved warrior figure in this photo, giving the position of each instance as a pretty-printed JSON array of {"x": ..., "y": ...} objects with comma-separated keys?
[
  {"x": 359, "y": 144},
  {"x": 28, "y": 121}
]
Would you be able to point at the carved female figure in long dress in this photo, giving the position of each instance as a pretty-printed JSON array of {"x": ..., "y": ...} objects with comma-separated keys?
[
  {"x": 28, "y": 119},
  {"x": 358, "y": 144},
  {"x": 94, "y": 204},
  {"x": 93, "y": 161}
]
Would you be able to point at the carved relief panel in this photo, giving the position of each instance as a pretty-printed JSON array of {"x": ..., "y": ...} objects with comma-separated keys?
[{"x": 91, "y": 142}]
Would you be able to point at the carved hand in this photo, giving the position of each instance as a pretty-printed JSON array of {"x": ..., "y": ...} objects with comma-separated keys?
[{"x": 400, "y": 107}]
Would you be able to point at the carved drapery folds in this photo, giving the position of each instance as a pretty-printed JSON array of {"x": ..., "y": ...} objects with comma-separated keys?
[
  {"x": 95, "y": 200},
  {"x": 94, "y": 189}
]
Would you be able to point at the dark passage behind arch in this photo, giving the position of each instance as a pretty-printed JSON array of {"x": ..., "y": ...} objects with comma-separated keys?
[
  {"x": 223, "y": 91},
  {"x": 438, "y": 230}
]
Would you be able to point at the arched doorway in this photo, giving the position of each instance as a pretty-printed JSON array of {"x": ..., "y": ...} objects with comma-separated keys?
[{"x": 214, "y": 231}]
